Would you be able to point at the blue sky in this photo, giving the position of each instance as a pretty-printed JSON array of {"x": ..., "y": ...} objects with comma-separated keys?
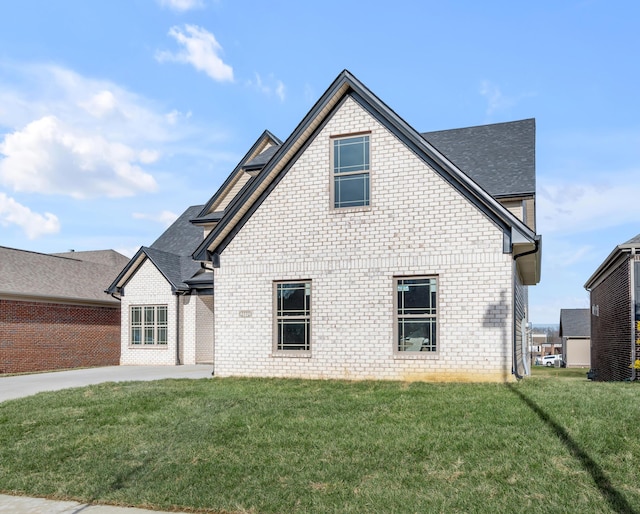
[{"x": 115, "y": 116}]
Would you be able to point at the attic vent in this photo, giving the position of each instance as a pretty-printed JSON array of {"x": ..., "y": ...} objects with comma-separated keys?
[{"x": 595, "y": 310}]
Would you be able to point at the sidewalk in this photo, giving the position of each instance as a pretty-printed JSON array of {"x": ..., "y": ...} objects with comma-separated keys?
[
  {"x": 19, "y": 386},
  {"x": 24, "y": 505}
]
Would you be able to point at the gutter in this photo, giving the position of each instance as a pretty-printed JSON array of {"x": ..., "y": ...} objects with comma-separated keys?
[{"x": 514, "y": 368}]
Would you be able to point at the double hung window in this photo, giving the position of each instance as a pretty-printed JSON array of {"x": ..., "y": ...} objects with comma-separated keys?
[
  {"x": 416, "y": 314},
  {"x": 351, "y": 187},
  {"x": 293, "y": 316},
  {"x": 148, "y": 325}
]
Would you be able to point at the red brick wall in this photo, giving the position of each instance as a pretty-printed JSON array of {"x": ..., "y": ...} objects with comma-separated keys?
[
  {"x": 611, "y": 336},
  {"x": 36, "y": 336}
]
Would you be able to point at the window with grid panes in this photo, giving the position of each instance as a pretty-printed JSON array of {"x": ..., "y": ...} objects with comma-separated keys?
[
  {"x": 292, "y": 316},
  {"x": 148, "y": 325},
  {"x": 416, "y": 314},
  {"x": 351, "y": 172}
]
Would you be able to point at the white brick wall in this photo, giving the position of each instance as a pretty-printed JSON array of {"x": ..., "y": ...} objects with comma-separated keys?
[
  {"x": 204, "y": 327},
  {"x": 148, "y": 287},
  {"x": 417, "y": 224}
]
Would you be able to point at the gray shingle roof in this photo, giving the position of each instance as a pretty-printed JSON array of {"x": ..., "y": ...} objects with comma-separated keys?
[
  {"x": 182, "y": 236},
  {"x": 32, "y": 274},
  {"x": 106, "y": 257},
  {"x": 575, "y": 323},
  {"x": 261, "y": 159},
  {"x": 634, "y": 240},
  {"x": 500, "y": 157},
  {"x": 171, "y": 252}
]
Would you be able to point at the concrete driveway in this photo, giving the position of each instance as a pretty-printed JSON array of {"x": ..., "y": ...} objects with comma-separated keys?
[{"x": 26, "y": 385}]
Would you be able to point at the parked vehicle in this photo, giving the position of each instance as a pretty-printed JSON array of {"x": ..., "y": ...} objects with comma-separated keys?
[{"x": 551, "y": 360}]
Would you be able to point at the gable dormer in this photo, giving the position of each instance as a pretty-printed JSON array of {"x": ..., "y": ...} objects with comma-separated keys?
[{"x": 248, "y": 167}]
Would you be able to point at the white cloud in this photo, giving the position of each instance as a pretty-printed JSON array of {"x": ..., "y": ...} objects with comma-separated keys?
[
  {"x": 175, "y": 115},
  {"x": 567, "y": 208},
  {"x": 33, "y": 224},
  {"x": 166, "y": 218},
  {"x": 49, "y": 157},
  {"x": 496, "y": 99},
  {"x": 201, "y": 50},
  {"x": 100, "y": 104},
  {"x": 272, "y": 86},
  {"x": 182, "y": 5}
]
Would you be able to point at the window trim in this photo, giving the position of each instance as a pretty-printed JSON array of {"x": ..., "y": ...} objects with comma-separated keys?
[
  {"x": 156, "y": 326},
  {"x": 276, "y": 351},
  {"x": 403, "y": 354},
  {"x": 332, "y": 178}
]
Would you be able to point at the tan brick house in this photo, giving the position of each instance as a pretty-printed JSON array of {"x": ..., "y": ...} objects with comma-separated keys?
[
  {"x": 53, "y": 311},
  {"x": 360, "y": 248}
]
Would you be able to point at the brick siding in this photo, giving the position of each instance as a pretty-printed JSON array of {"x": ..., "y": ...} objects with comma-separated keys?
[
  {"x": 611, "y": 336},
  {"x": 149, "y": 287},
  {"x": 38, "y": 336},
  {"x": 417, "y": 225}
]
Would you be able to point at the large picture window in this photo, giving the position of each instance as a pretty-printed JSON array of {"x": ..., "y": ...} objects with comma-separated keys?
[
  {"x": 351, "y": 172},
  {"x": 148, "y": 325},
  {"x": 416, "y": 314},
  {"x": 293, "y": 316}
]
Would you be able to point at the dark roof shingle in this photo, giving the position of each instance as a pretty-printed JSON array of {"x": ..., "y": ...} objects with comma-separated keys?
[{"x": 499, "y": 157}]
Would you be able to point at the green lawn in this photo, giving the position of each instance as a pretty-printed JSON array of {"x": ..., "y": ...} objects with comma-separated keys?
[{"x": 547, "y": 444}]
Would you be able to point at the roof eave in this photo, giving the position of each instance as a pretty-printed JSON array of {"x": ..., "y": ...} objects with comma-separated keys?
[{"x": 613, "y": 258}]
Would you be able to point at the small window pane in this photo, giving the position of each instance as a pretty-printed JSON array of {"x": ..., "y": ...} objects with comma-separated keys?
[
  {"x": 162, "y": 315},
  {"x": 148, "y": 335},
  {"x": 136, "y": 315},
  {"x": 136, "y": 335},
  {"x": 293, "y": 335},
  {"x": 351, "y": 190},
  {"x": 149, "y": 315},
  {"x": 351, "y": 154},
  {"x": 417, "y": 335},
  {"x": 292, "y": 299},
  {"x": 162, "y": 335}
]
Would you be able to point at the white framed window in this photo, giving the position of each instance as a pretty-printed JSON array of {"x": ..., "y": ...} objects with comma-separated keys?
[
  {"x": 351, "y": 171},
  {"x": 148, "y": 325},
  {"x": 292, "y": 321},
  {"x": 416, "y": 314}
]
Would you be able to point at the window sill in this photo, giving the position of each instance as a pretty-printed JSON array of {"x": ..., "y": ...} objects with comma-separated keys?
[
  {"x": 345, "y": 210},
  {"x": 416, "y": 356},
  {"x": 292, "y": 354},
  {"x": 148, "y": 347}
]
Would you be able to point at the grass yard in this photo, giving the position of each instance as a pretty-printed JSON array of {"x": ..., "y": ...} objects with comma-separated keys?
[{"x": 552, "y": 443}]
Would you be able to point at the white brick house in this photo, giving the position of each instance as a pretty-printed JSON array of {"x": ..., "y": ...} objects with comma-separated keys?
[{"x": 357, "y": 249}]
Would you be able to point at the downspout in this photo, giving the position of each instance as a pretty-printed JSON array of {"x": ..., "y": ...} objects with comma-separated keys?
[
  {"x": 632, "y": 280},
  {"x": 177, "y": 329},
  {"x": 514, "y": 368},
  {"x": 215, "y": 263}
]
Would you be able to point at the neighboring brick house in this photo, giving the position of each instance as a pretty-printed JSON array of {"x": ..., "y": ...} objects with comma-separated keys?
[
  {"x": 615, "y": 314},
  {"x": 358, "y": 248},
  {"x": 575, "y": 331},
  {"x": 54, "y": 313}
]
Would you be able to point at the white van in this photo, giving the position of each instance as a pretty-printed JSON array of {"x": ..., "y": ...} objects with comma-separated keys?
[{"x": 550, "y": 360}]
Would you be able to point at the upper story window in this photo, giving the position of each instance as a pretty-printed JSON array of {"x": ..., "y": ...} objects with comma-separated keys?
[{"x": 351, "y": 172}]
